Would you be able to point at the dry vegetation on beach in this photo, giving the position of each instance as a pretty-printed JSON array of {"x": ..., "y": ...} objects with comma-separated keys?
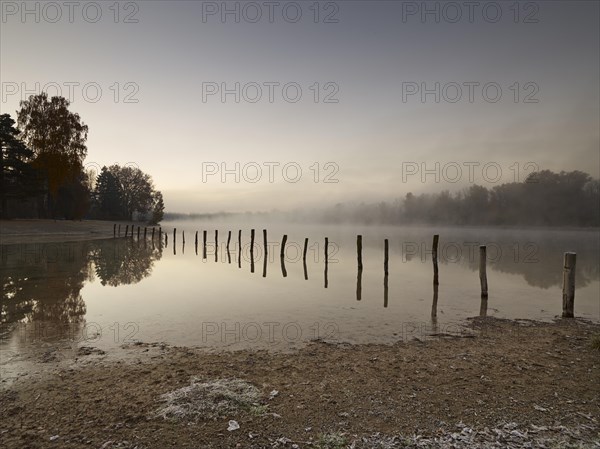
[{"x": 514, "y": 384}]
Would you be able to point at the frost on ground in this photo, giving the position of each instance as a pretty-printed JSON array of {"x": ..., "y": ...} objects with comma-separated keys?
[
  {"x": 211, "y": 399},
  {"x": 507, "y": 436}
]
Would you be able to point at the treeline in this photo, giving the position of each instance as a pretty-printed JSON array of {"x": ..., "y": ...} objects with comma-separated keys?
[
  {"x": 42, "y": 173},
  {"x": 545, "y": 198}
]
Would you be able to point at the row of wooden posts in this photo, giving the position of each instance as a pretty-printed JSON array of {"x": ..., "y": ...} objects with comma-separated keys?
[{"x": 568, "y": 287}]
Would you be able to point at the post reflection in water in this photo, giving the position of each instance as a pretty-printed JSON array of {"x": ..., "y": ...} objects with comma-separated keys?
[
  {"x": 434, "y": 304},
  {"x": 283, "y": 270},
  {"x": 265, "y": 266}
]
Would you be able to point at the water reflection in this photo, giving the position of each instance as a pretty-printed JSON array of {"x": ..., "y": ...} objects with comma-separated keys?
[{"x": 42, "y": 282}]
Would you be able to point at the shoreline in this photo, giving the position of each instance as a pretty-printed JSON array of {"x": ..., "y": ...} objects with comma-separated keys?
[
  {"x": 19, "y": 231},
  {"x": 524, "y": 375}
]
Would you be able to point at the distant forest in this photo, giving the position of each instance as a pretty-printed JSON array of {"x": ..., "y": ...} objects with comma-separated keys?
[{"x": 545, "y": 198}]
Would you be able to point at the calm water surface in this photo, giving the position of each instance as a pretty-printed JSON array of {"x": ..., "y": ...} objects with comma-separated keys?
[{"x": 105, "y": 293}]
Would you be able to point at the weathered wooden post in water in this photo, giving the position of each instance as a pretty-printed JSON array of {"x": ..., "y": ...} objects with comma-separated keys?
[
  {"x": 482, "y": 271},
  {"x": 145, "y": 232},
  {"x": 153, "y": 233},
  {"x": 228, "y": 240},
  {"x": 119, "y": 231},
  {"x": 283, "y": 242},
  {"x": 216, "y": 245},
  {"x": 304, "y": 259},
  {"x": 252, "y": 250},
  {"x": 434, "y": 256},
  {"x": 183, "y": 237},
  {"x": 174, "y": 235},
  {"x": 204, "y": 244},
  {"x": 359, "y": 251},
  {"x": 160, "y": 234},
  {"x": 114, "y": 230},
  {"x": 326, "y": 261},
  {"x": 240, "y": 248},
  {"x": 265, "y": 244},
  {"x": 196, "y": 240},
  {"x": 138, "y": 233},
  {"x": 386, "y": 251},
  {"x": 126, "y": 230},
  {"x": 569, "y": 285}
]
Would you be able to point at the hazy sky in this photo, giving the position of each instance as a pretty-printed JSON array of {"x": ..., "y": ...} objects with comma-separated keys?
[{"x": 373, "y": 57}]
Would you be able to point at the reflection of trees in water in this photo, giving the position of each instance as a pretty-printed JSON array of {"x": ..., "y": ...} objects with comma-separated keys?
[
  {"x": 124, "y": 261},
  {"x": 43, "y": 282},
  {"x": 540, "y": 260},
  {"x": 537, "y": 256}
]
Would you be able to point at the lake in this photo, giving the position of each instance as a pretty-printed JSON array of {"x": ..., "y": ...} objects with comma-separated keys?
[{"x": 107, "y": 293}]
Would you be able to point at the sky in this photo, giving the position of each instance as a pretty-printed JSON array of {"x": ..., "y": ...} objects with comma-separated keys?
[{"x": 254, "y": 106}]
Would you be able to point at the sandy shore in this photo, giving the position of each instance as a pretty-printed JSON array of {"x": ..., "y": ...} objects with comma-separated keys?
[
  {"x": 38, "y": 231},
  {"x": 517, "y": 383}
]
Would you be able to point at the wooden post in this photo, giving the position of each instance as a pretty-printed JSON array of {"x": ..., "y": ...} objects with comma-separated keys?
[
  {"x": 569, "y": 285},
  {"x": 196, "y": 239},
  {"x": 265, "y": 243},
  {"x": 183, "y": 237},
  {"x": 228, "y": 240},
  {"x": 252, "y": 232},
  {"x": 482, "y": 271},
  {"x": 114, "y": 230},
  {"x": 204, "y": 244},
  {"x": 126, "y": 230},
  {"x": 304, "y": 259},
  {"x": 152, "y": 233},
  {"x": 385, "y": 272},
  {"x": 283, "y": 242},
  {"x": 145, "y": 232},
  {"x": 434, "y": 256},
  {"x": 240, "y": 248},
  {"x": 138, "y": 233},
  {"x": 174, "y": 235},
  {"x": 326, "y": 261},
  {"x": 359, "y": 251},
  {"x": 119, "y": 231},
  {"x": 386, "y": 254},
  {"x": 160, "y": 234},
  {"x": 216, "y": 245}
]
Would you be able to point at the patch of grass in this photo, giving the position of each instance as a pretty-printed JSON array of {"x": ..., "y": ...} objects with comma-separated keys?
[
  {"x": 595, "y": 343},
  {"x": 259, "y": 410},
  {"x": 331, "y": 441},
  {"x": 212, "y": 399}
]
